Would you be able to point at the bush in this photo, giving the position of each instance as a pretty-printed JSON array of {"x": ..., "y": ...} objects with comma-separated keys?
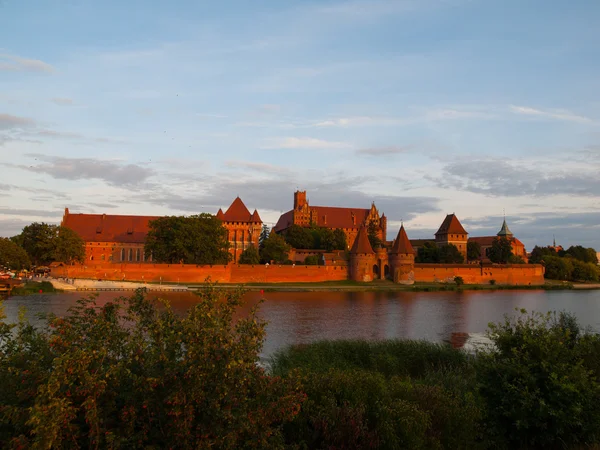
[
  {"x": 312, "y": 260},
  {"x": 250, "y": 256},
  {"x": 540, "y": 386},
  {"x": 133, "y": 374},
  {"x": 459, "y": 281},
  {"x": 492, "y": 282},
  {"x": 584, "y": 271}
]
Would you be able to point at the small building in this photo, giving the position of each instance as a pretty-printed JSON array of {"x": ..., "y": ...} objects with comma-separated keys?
[
  {"x": 485, "y": 242},
  {"x": 243, "y": 228}
]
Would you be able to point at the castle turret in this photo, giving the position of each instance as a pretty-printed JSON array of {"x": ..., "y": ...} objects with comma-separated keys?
[
  {"x": 402, "y": 259},
  {"x": 504, "y": 231},
  {"x": 362, "y": 258}
]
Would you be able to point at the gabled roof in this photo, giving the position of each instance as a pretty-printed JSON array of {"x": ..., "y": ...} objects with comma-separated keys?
[
  {"x": 504, "y": 231},
  {"x": 486, "y": 241},
  {"x": 451, "y": 224},
  {"x": 362, "y": 244},
  {"x": 402, "y": 244},
  {"x": 328, "y": 217},
  {"x": 238, "y": 212},
  {"x": 109, "y": 227}
]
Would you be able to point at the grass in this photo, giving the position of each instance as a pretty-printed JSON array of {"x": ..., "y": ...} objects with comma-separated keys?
[{"x": 34, "y": 287}]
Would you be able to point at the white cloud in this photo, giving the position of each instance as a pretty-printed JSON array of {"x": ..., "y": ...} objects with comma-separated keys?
[
  {"x": 303, "y": 143},
  {"x": 8, "y": 121},
  {"x": 62, "y": 101},
  {"x": 17, "y": 64},
  {"x": 559, "y": 114},
  {"x": 384, "y": 151},
  {"x": 259, "y": 167}
]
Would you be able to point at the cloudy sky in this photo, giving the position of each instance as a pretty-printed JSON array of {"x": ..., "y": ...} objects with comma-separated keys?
[{"x": 426, "y": 107}]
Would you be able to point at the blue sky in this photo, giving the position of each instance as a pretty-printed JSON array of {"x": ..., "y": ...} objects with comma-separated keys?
[{"x": 426, "y": 107}]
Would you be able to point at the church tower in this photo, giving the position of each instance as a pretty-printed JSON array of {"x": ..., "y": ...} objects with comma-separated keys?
[{"x": 402, "y": 259}]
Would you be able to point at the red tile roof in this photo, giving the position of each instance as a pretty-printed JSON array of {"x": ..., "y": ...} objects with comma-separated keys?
[
  {"x": 109, "y": 228},
  {"x": 328, "y": 217},
  {"x": 486, "y": 241},
  {"x": 362, "y": 244},
  {"x": 451, "y": 224},
  {"x": 402, "y": 244},
  {"x": 238, "y": 212}
]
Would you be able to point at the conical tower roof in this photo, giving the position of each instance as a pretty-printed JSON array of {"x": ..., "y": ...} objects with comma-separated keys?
[
  {"x": 362, "y": 244},
  {"x": 451, "y": 224},
  {"x": 255, "y": 217},
  {"x": 402, "y": 244},
  {"x": 237, "y": 212},
  {"x": 504, "y": 231},
  {"x": 220, "y": 214}
]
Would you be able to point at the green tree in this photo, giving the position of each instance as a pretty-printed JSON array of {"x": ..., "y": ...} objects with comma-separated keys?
[
  {"x": 275, "y": 249},
  {"x": 200, "y": 239},
  {"x": 538, "y": 253},
  {"x": 373, "y": 231},
  {"x": 584, "y": 271},
  {"x": 501, "y": 250},
  {"x": 68, "y": 246},
  {"x": 558, "y": 268},
  {"x": 339, "y": 240},
  {"x": 299, "y": 237},
  {"x": 38, "y": 240},
  {"x": 264, "y": 234},
  {"x": 428, "y": 253},
  {"x": 12, "y": 255},
  {"x": 449, "y": 254},
  {"x": 326, "y": 239},
  {"x": 311, "y": 260},
  {"x": 250, "y": 256},
  {"x": 134, "y": 374},
  {"x": 473, "y": 251},
  {"x": 581, "y": 253},
  {"x": 515, "y": 259},
  {"x": 540, "y": 384}
]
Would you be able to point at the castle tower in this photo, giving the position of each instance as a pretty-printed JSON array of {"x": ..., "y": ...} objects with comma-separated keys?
[
  {"x": 452, "y": 232},
  {"x": 402, "y": 259},
  {"x": 299, "y": 199},
  {"x": 505, "y": 232},
  {"x": 362, "y": 258}
]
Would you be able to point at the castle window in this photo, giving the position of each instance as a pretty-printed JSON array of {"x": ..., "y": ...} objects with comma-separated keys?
[
  {"x": 122, "y": 254},
  {"x": 130, "y": 254},
  {"x": 110, "y": 257},
  {"x": 137, "y": 255},
  {"x": 92, "y": 258},
  {"x": 102, "y": 257}
]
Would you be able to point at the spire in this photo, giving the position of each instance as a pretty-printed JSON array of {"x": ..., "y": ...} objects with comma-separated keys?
[
  {"x": 361, "y": 243},
  {"x": 554, "y": 241},
  {"x": 402, "y": 245},
  {"x": 504, "y": 231}
]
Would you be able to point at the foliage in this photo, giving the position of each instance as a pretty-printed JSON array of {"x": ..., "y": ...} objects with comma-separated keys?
[
  {"x": 133, "y": 374},
  {"x": 45, "y": 243},
  {"x": 428, "y": 253},
  {"x": 516, "y": 259},
  {"x": 558, "y": 268},
  {"x": 264, "y": 234},
  {"x": 200, "y": 239},
  {"x": 249, "y": 256},
  {"x": 501, "y": 250},
  {"x": 34, "y": 287},
  {"x": 538, "y": 254},
  {"x": 373, "y": 231},
  {"x": 459, "y": 281},
  {"x": 584, "y": 271},
  {"x": 68, "y": 246},
  {"x": 492, "y": 282},
  {"x": 299, "y": 237},
  {"x": 12, "y": 255},
  {"x": 539, "y": 389},
  {"x": 586, "y": 255},
  {"x": 311, "y": 260},
  {"x": 274, "y": 249},
  {"x": 339, "y": 240},
  {"x": 473, "y": 251},
  {"x": 449, "y": 254}
]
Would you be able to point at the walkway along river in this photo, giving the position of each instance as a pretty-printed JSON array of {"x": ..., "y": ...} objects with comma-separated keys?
[{"x": 300, "y": 317}]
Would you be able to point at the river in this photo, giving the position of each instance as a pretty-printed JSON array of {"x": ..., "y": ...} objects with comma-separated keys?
[{"x": 301, "y": 317}]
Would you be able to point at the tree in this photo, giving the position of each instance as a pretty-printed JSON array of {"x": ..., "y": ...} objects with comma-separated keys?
[
  {"x": 558, "y": 268},
  {"x": 250, "y": 256},
  {"x": 581, "y": 253},
  {"x": 428, "y": 253},
  {"x": 133, "y": 373},
  {"x": 373, "y": 231},
  {"x": 38, "y": 240},
  {"x": 200, "y": 239},
  {"x": 501, "y": 250},
  {"x": 264, "y": 234},
  {"x": 584, "y": 271},
  {"x": 299, "y": 237},
  {"x": 326, "y": 239},
  {"x": 339, "y": 240},
  {"x": 68, "y": 246},
  {"x": 275, "y": 249},
  {"x": 515, "y": 259},
  {"x": 311, "y": 260},
  {"x": 473, "y": 251},
  {"x": 538, "y": 253},
  {"x": 449, "y": 254},
  {"x": 13, "y": 255}
]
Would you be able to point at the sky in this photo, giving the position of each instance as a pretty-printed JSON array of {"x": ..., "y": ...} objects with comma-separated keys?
[{"x": 426, "y": 107}]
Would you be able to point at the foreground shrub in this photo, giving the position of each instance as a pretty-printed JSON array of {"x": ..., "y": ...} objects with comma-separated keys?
[
  {"x": 541, "y": 385},
  {"x": 132, "y": 374}
]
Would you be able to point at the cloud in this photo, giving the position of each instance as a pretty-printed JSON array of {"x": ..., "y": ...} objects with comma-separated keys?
[
  {"x": 18, "y": 64},
  {"x": 550, "y": 114},
  {"x": 59, "y": 134},
  {"x": 62, "y": 101},
  {"x": 258, "y": 167},
  {"x": 303, "y": 143},
  {"x": 384, "y": 151},
  {"x": 12, "y": 227},
  {"x": 29, "y": 212},
  {"x": 113, "y": 173},
  {"x": 8, "y": 121}
]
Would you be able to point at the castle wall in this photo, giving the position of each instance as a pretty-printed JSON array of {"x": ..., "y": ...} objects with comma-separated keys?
[{"x": 512, "y": 274}]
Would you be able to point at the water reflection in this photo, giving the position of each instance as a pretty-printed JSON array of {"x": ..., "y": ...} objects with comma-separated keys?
[{"x": 300, "y": 317}]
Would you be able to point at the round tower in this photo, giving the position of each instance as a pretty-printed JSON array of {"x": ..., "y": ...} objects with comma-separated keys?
[
  {"x": 402, "y": 259},
  {"x": 362, "y": 258}
]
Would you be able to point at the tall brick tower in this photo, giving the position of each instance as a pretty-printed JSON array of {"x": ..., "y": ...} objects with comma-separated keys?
[
  {"x": 452, "y": 232},
  {"x": 402, "y": 259},
  {"x": 362, "y": 258}
]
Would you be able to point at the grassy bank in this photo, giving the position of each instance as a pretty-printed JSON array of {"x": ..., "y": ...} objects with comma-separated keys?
[{"x": 35, "y": 287}]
